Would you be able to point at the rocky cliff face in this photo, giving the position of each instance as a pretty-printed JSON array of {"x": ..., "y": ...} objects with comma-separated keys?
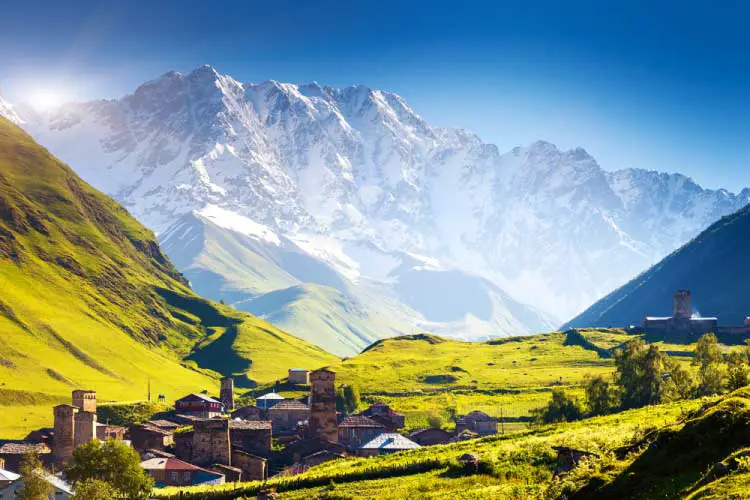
[{"x": 358, "y": 170}]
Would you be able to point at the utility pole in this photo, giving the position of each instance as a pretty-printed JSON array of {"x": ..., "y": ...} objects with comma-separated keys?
[{"x": 149, "y": 389}]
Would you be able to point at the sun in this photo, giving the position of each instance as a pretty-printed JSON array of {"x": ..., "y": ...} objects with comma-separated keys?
[{"x": 45, "y": 99}]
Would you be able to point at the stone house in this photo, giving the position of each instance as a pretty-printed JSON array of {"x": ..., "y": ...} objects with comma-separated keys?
[
  {"x": 249, "y": 412},
  {"x": 211, "y": 443},
  {"x": 267, "y": 401},
  {"x": 106, "y": 431},
  {"x": 430, "y": 436},
  {"x": 387, "y": 443},
  {"x": 296, "y": 451},
  {"x": 288, "y": 415},
  {"x": 253, "y": 467},
  {"x": 144, "y": 437},
  {"x": 199, "y": 405},
  {"x": 175, "y": 472},
  {"x": 477, "y": 422},
  {"x": 382, "y": 413},
  {"x": 356, "y": 430},
  {"x": 231, "y": 474},
  {"x": 253, "y": 436},
  {"x": 299, "y": 376},
  {"x": 12, "y": 453}
]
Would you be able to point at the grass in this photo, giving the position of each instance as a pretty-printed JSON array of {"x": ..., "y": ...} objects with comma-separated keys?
[{"x": 88, "y": 300}]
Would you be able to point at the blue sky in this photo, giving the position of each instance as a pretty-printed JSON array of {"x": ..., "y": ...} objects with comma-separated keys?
[{"x": 657, "y": 85}]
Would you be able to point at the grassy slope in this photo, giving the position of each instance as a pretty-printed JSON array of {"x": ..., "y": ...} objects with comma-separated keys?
[{"x": 87, "y": 299}]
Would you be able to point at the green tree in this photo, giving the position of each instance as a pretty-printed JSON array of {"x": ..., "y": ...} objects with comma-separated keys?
[
  {"x": 94, "y": 489},
  {"x": 561, "y": 408},
  {"x": 710, "y": 362},
  {"x": 114, "y": 463},
  {"x": 601, "y": 396},
  {"x": 738, "y": 372},
  {"x": 352, "y": 398},
  {"x": 35, "y": 486},
  {"x": 435, "y": 421},
  {"x": 647, "y": 376}
]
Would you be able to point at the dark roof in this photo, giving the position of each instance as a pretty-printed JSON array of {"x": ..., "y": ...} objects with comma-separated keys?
[
  {"x": 202, "y": 397},
  {"x": 360, "y": 421},
  {"x": 249, "y": 424},
  {"x": 289, "y": 404},
  {"x": 22, "y": 448},
  {"x": 153, "y": 429},
  {"x": 419, "y": 432},
  {"x": 475, "y": 416},
  {"x": 163, "y": 424}
]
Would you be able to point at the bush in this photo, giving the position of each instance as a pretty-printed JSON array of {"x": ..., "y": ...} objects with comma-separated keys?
[{"x": 561, "y": 408}]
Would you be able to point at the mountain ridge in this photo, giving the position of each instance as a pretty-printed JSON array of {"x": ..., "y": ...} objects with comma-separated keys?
[{"x": 358, "y": 165}]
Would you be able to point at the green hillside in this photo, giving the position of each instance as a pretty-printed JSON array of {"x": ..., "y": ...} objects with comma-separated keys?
[
  {"x": 712, "y": 266},
  {"x": 322, "y": 315},
  {"x": 87, "y": 299}
]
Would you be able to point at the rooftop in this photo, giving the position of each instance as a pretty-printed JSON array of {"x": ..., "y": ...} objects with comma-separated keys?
[
  {"x": 167, "y": 464},
  {"x": 298, "y": 370},
  {"x": 249, "y": 424},
  {"x": 199, "y": 396},
  {"x": 6, "y": 475},
  {"x": 476, "y": 416},
  {"x": 22, "y": 448},
  {"x": 360, "y": 421},
  {"x": 391, "y": 441},
  {"x": 289, "y": 404},
  {"x": 270, "y": 395}
]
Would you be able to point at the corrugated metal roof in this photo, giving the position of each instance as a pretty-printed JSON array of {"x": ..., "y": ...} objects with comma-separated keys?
[
  {"x": 271, "y": 395},
  {"x": 360, "y": 421},
  {"x": 199, "y": 396},
  {"x": 6, "y": 475}
]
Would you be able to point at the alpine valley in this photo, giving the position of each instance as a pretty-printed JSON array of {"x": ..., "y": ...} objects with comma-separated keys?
[{"x": 341, "y": 216}]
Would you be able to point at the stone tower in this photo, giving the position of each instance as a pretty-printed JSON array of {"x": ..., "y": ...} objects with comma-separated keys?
[
  {"x": 211, "y": 443},
  {"x": 226, "y": 394},
  {"x": 85, "y": 400},
  {"x": 323, "y": 405},
  {"x": 65, "y": 418},
  {"x": 683, "y": 307},
  {"x": 85, "y": 428}
]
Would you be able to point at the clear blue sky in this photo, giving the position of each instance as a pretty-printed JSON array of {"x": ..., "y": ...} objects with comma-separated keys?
[{"x": 658, "y": 85}]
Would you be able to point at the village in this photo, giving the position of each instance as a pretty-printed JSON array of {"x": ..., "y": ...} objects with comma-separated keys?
[{"x": 208, "y": 441}]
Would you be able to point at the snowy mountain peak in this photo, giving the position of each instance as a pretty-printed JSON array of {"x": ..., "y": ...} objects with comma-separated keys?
[{"x": 359, "y": 168}]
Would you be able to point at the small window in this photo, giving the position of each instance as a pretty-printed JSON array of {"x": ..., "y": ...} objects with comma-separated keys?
[
  {"x": 175, "y": 476},
  {"x": 186, "y": 476}
]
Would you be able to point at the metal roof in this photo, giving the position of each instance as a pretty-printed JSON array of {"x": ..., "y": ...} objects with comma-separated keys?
[
  {"x": 391, "y": 441},
  {"x": 271, "y": 395},
  {"x": 199, "y": 396},
  {"x": 6, "y": 475}
]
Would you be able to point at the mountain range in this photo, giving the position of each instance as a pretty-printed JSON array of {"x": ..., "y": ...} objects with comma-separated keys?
[{"x": 345, "y": 205}]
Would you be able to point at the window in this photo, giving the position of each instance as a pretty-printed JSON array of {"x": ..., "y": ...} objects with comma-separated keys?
[
  {"x": 186, "y": 477},
  {"x": 174, "y": 476}
]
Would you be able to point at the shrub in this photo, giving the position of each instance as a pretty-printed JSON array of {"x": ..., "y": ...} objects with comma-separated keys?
[{"x": 561, "y": 408}]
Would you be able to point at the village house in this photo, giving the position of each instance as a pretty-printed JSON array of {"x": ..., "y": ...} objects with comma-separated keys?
[
  {"x": 12, "y": 453},
  {"x": 199, "y": 405},
  {"x": 231, "y": 474},
  {"x": 146, "y": 437},
  {"x": 106, "y": 431},
  {"x": 175, "y": 472},
  {"x": 253, "y": 436},
  {"x": 477, "y": 422},
  {"x": 267, "y": 401},
  {"x": 7, "y": 477},
  {"x": 249, "y": 412},
  {"x": 386, "y": 443},
  {"x": 60, "y": 490},
  {"x": 355, "y": 430},
  {"x": 299, "y": 376},
  {"x": 383, "y": 414},
  {"x": 431, "y": 436},
  {"x": 288, "y": 415},
  {"x": 253, "y": 467},
  {"x": 296, "y": 451}
]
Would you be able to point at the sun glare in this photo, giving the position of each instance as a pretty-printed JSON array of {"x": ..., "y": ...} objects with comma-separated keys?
[{"x": 45, "y": 99}]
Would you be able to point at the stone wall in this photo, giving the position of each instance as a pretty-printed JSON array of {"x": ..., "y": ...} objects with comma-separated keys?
[{"x": 211, "y": 443}]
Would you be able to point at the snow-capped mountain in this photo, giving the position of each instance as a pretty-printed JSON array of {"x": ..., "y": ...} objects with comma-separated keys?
[
  {"x": 7, "y": 110},
  {"x": 354, "y": 176}
]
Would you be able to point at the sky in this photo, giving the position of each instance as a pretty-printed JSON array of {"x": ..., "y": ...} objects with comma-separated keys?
[{"x": 656, "y": 85}]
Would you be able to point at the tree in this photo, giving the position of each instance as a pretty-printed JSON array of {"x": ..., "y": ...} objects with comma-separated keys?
[
  {"x": 352, "y": 398},
  {"x": 710, "y": 363},
  {"x": 738, "y": 373},
  {"x": 647, "y": 376},
  {"x": 35, "y": 485},
  {"x": 601, "y": 397},
  {"x": 94, "y": 489},
  {"x": 114, "y": 463},
  {"x": 435, "y": 421},
  {"x": 561, "y": 408}
]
